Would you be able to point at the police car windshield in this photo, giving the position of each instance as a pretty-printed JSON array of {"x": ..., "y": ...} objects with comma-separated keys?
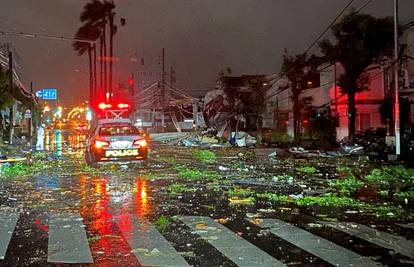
[{"x": 118, "y": 130}]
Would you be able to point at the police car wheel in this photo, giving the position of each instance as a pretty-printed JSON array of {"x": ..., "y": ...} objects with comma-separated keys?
[{"x": 89, "y": 160}]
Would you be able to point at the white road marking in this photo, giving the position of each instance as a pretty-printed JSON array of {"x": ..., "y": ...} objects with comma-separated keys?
[
  {"x": 67, "y": 240},
  {"x": 314, "y": 244},
  {"x": 148, "y": 245},
  {"x": 397, "y": 243},
  {"x": 7, "y": 224},
  {"x": 237, "y": 249}
]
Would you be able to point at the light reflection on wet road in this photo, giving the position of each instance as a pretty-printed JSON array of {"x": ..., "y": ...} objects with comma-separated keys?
[{"x": 117, "y": 205}]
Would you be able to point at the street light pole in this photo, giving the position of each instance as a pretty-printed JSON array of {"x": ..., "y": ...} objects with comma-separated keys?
[{"x": 396, "y": 84}]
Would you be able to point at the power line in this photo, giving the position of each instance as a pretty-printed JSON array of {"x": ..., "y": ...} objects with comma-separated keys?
[
  {"x": 45, "y": 36},
  {"x": 364, "y": 5},
  {"x": 323, "y": 33},
  {"x": 371, "y": 78},
  {"x": 178, "y": 91},
  {"x": 407, "y": 25},
  {"x": 149, "y": 96},
  {"x": 174, "y": 87},
  {"x": 329, "y": 26},
  {"x": 146, "y": 89},
  {"x": 279, "y": 77}
]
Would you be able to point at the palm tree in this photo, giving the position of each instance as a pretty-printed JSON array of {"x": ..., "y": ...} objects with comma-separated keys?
[
  {"x": 299, "y": 69},
  {"x": 112, "y": 31},
  {"x": 88, "y": 33},
  {"x": 98, "y": 14},
  {"x": 360, "y": 40},
  {"x": 93, "y": 16}
]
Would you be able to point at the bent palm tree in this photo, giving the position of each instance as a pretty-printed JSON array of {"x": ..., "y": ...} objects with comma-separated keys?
[
  {"x": 109, "y": 6},
  {"x": 88, "y": 33},
  {"x": 98, "y": 14}
]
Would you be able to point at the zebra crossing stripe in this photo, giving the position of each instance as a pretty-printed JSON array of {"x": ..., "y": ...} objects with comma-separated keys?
[
  {"x": 228, "y": 243},
  {"x": 397, "y": 243},
  {"x": 315, "y": 245},
  {"x": 7, "y": 225},
  {"x": 407, "y": 225},
  {"x": 148, "y": 245},
  {"x": 67, "y": 240}
]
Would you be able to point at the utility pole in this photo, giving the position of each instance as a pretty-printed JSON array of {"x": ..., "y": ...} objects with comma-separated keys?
[
  {"x": 396, "y": 84},
  {"x": 163, "y": 79},
  {"x": 163, "y": 90},
  {"x": 11, "y": 117}
]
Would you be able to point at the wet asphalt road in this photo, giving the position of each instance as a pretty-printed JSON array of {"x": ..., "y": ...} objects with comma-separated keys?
[{"x": 128, "y": 216}]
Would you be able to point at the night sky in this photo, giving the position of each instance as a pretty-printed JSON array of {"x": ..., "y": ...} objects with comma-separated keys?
[{"x": 201, "y": 37}]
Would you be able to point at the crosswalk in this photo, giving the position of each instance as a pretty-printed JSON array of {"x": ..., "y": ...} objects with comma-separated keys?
[
  {"x": 68, "y": 241},
  {"x": 238, "y": 250},
  {"x": 396, "y": 243},
  {"x": 150, "y": 247},
  {"x": 7, "y": 225},
  {"x": 324, "y": 249}
]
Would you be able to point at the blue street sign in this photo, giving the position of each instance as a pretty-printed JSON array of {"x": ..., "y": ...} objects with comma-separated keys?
[
  {"x": 49, "y": 94},
  {"x": 39, "y": 94}
]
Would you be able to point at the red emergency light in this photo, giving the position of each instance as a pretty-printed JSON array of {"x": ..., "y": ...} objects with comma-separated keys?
[
  {"x": 104, "y": 106},
  {"x": 122, "y": 106}
]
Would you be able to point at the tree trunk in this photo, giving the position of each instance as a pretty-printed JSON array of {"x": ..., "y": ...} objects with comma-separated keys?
[
  {"x": 259, "y": 125},
  {"x": 111, "y": 48},
  {"x": 101, "y": 77},
  {"x": 95, "y": 91},
  {"x": 105, "y": 59},
  {"x": 91, "y": 95},
  {"x": 351, "y": 117},
  {"x": 296, "y": 126}
]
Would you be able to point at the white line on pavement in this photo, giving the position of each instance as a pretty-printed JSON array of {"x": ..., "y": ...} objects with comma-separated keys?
[
  {"x": 148, "y": 245},
  {"x": 237, "y": 249},
  {"x": 397, "y": 243},
  {"x": 7, "y": 225},
  {"x": 67, "y": 240},
  {"x": 314, "y": 244}
]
